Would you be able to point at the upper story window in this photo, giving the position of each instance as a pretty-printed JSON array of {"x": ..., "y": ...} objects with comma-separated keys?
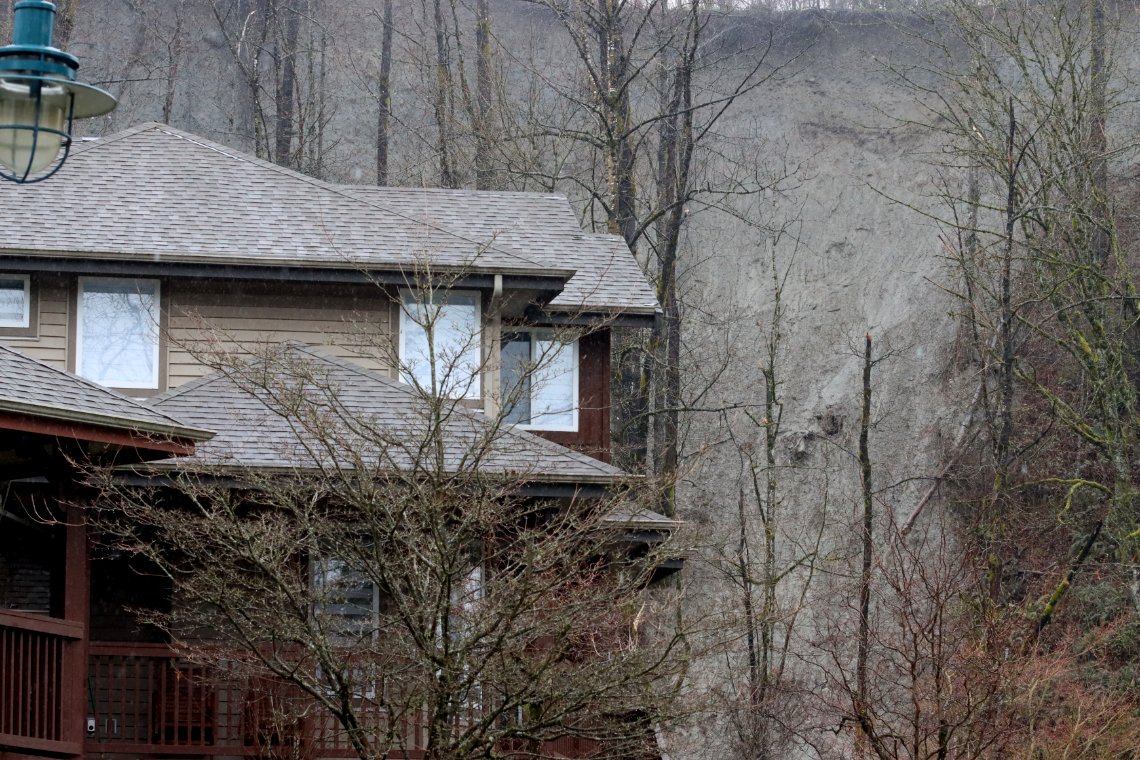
[
  {"x": 118, "y": 331},
  {"x": 15, "y": 300},
  {"x": 441, "y": 330},
  {"x": 539, "y": 381}
]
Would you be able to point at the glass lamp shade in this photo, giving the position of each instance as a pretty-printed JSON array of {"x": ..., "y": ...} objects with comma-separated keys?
[{"x": 33, "y": 124}]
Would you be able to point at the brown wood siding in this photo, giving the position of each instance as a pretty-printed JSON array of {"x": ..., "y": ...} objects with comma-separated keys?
[
  {"x": 50, "y": 345},
  {"x": 593, "y": 435},
  {"x": 335, "y": 317}
]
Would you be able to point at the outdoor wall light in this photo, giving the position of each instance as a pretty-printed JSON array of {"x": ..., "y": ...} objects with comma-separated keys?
[{"x": 39, "y": 97}]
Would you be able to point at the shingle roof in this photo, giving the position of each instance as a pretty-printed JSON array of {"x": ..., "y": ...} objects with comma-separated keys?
[
  {"x": 252, "y": 434},
  {"x": 156, "y": 193},
  {"x": 30, "y": 387},
  {"x": 541, "y": 226}
]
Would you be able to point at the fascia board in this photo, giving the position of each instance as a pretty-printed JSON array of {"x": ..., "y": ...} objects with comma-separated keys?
[{"x": 64, "y": 414}]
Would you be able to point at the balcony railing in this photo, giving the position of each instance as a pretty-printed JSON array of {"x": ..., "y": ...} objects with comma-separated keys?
[
  {"x": 144, "y": 696},
  {"x": 34, "y": 662},
  {"x": 146, "y": 699}
]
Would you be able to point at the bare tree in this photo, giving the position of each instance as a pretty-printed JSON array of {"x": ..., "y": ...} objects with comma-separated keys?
[
  {"x": 384, "y": 97},
  {"x": 771, "y": 559},
  {"x": 653, "y": 53}
]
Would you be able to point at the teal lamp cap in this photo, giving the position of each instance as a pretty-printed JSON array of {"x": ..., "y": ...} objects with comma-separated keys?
[{"x": 40, "y": 97}]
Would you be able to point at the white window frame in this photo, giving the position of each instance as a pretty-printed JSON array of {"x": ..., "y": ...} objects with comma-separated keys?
[
  {"x": 475, "y": 391},
  {"x": 545, "y": 333},
  {"x": 27, "y": 319},
  {"x": 153, "y": 384}
]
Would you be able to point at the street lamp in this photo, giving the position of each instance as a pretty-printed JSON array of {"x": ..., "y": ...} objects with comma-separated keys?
[{"x": 39, "y": 97}]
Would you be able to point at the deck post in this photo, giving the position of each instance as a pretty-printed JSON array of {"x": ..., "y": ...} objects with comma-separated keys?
[{"x": 76, "y": 608}]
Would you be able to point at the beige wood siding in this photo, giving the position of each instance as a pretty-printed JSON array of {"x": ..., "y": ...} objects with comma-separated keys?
[
  {"x": 50, "y": 344},
  {"x": 343, "y": 319}
]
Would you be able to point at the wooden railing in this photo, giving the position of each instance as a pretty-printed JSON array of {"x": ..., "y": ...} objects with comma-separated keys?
[
  {"x": 145, "y": 699},
  {"x": 34, "y": 680}
]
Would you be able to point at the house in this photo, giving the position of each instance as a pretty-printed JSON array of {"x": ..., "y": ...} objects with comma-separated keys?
[{"x": 153, "y": 241}]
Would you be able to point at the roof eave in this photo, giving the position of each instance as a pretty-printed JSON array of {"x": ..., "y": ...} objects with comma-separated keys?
[
  {"x": 151, "y": 259},
  {"x": 131, "y": 424},
  {"x": 232, "y": 470}
]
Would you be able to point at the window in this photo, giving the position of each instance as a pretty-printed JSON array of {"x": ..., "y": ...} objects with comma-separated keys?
[
  {"x": 118, "y": 332},
  {"x": 539, "y": 381},
  {"x": 350, "y": 600},
  {"x": 346, "y": 595},
  {"x": 15, "y": 300},
  {"x": 441, "y": 329}
]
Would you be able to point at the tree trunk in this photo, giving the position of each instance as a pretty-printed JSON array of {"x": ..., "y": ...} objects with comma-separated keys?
[
  {"x": 286, "y": 54},
  {"x": 384, "y": 86},
  {"x": 1098, "y": 145},
  {"x": 64, "y": 23},
  {"x": 175, "y": 56},
  {"x": 484, "y": 174},
  {"x": 443, "y": 95},
  {"x": 678, "y": 141},
  {"x": 868, "y": 525},
  {"x": 631, "y": 408},
  {"x": 616, "y": 117},
  {"x": 1006, "y": 370}
]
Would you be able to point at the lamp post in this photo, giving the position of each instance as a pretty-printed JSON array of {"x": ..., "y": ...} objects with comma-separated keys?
[{"x": 39, "y": 97}]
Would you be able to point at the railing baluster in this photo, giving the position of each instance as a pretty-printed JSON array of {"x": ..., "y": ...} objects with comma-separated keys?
[
  {"x": 123, "y": 680},
  {"x": 5, "y": 681},
  {"x": 37, "y": 712},
  {"x": 24, "y": 678},
  {"x": 7, "y": 678},
  {"x": 49, "y": 689},
  {"x": 159, "y": 701},
  {"x": 135, "y": 730}
]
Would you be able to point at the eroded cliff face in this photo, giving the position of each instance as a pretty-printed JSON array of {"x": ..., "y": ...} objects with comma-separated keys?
[
  {"x": 855, "y": 176},
  {"x": 856, "y": 255}
]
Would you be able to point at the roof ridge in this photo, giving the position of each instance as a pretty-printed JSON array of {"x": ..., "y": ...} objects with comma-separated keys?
[
  {"x": 91, "y": 384},
  {"x": 460, "y": 190},
  {"x": 329, "y": 187},
  {"x": 82, "y": 145},
  {"x": 179, "y": 390}
]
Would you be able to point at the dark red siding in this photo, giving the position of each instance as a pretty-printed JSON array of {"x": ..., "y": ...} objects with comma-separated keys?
[{"x": 593, "y": 436}]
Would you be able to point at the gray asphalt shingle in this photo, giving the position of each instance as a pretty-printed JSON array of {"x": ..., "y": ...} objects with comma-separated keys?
[
  {"x": 156, "y": 193},
  {"x": 251, "y": 433},
  {"x": 539, "y": 225},
  {"x": 28, "y": 386}
]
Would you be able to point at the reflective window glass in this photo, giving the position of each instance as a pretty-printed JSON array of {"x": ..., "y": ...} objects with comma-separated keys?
[
  {"x": 441, "y": 331},
  {"x": 118, "y": 332},
  {"x": 13, "y": 300},
  {"x": 539, "y": 381}
]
